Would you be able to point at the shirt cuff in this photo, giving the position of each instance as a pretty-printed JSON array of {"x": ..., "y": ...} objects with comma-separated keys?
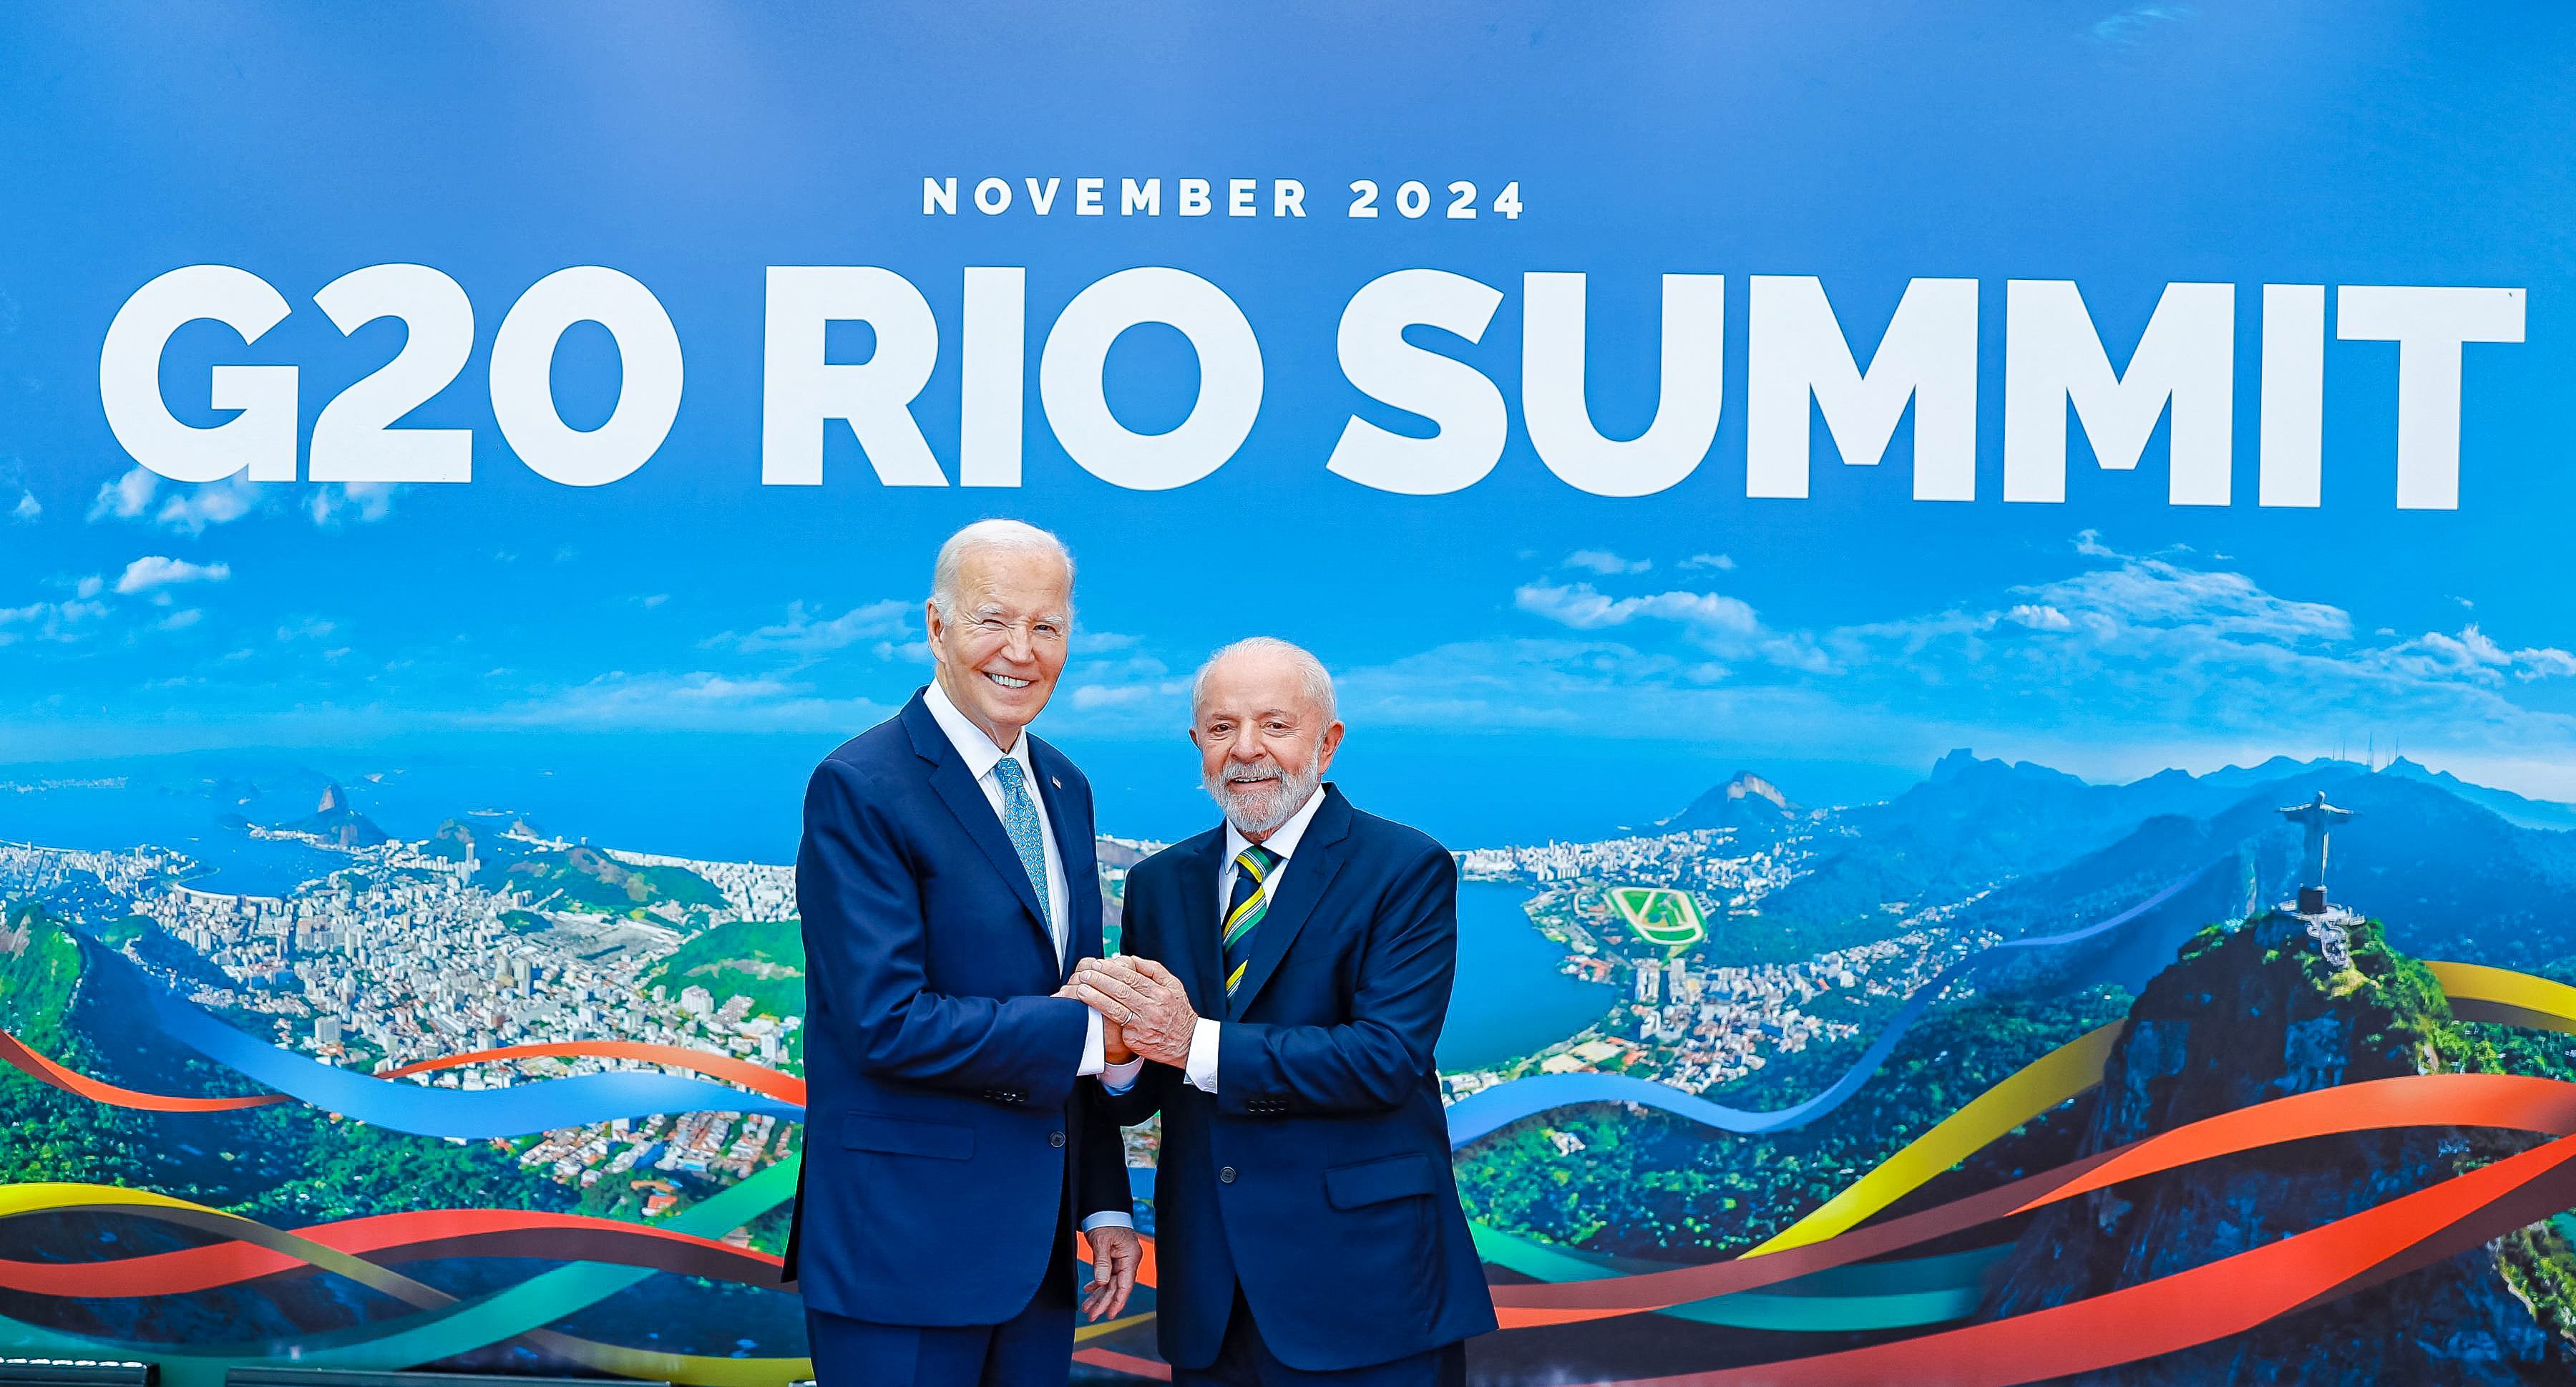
[
  {"x": 1118, "y": 1078},
  {"x": 1092, "y": 1049},
  {"x": 1200, "y": 1066},
  {"x": 1108, "y": 1218}
]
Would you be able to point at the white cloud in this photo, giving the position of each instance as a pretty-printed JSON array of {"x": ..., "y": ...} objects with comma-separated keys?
[
  {"x": 2159, "y": 593},
  {"x": 700, "y": 699},
  {"x": 213, "y": 503},
  {"x": 705, "y": 689},
  {"x": 803, "y": 633},
  {"x": 156, "y": 571},
  {"x": 27, "y": 509},
  {"x": 307, "y": 629},
  {"x": 2129, "y": 25},
  {"x": 654, "y": 600},
  {"x": 2039, "y": 616},
  {"x": 1579, "y": 606},
  {"x": 1604, "y": 562},
  {"x": 48, "y": 621},
  {"x": 1135, "y": 683},
  {"x": 332, "y": 505},
  {"x": 2474, "y": 656},
  {"x": 1721, "y": 562},
  {"x": 1719, "y": 624},
  {"x": 1092, "y": 696},
  {"x": 125, "y": 498},
  {"x": 2089, "y": 544},
  {"x": 180, "y": 620},
  {"x": 89, "y": 586}
]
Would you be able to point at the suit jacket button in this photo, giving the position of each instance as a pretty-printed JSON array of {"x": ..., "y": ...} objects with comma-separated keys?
[
  {"x": 1225, "y": 1176},
  {"x": 1055, "y": 1138}
]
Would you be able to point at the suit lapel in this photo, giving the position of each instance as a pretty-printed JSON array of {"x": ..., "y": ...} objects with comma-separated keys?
[
  {"x": 1310, "y": 873},
  {"x": 974, "y": 813},
  {"x": 1194, "y": 955}
]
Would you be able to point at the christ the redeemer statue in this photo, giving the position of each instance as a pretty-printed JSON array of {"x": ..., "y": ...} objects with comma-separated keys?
[{"x": 2319, "y": 818}]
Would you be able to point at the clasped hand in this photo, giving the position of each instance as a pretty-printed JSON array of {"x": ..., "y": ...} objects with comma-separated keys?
[{"x": 1143, "y": 1008}]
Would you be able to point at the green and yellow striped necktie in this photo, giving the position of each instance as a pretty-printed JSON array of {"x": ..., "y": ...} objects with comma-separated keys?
[{"x": 1249, "y": 902}]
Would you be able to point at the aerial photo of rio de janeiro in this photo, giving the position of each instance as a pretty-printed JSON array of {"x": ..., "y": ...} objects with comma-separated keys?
[{"x": 1755, "y": 1075}]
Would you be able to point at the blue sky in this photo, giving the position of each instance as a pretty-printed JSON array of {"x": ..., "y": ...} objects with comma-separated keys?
[{"x": 1580, "y": 658}]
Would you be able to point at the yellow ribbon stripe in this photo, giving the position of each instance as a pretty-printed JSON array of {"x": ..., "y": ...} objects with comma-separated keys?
[
  {"x": 2042, "y": 1084},
  {"x": 42, "y": 1196},
  {"x": 2480, "y": 993}
]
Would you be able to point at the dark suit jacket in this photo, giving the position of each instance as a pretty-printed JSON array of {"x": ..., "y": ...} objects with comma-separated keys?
[
  {"x": 944, "y": 1134},
  {"x": 1317, "y": 1175}
]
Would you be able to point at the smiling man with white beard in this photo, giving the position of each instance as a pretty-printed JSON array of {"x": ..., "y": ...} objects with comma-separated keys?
[{"x": 1279, "y": 1004}]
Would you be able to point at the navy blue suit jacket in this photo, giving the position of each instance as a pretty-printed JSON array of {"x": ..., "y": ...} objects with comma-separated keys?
[
  {"x": 944, "y": 1134},
  {"x": 1317, "y": 1175}
]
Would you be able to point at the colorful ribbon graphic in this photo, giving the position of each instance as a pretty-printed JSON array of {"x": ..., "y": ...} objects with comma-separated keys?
[
  {"x": 381, "y": 1239},
  {"x": 1877, "y": 1295},
  {"x": 436, "y": 1112},
  {"x": 45, "y": 1071},
  {"x": 2504, "y": 1101},
  {"x": 2209, "y": 1302},
  {"x": 1823, "y": 1273},
  {"x": 461, "y": 1327}
]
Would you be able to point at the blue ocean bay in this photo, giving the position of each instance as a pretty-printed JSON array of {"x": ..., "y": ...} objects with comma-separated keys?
[{"x": 1510, "y": 999}]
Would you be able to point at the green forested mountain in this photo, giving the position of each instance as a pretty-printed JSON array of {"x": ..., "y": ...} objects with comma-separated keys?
[
  {"x": 760, "y": 959},
  {"x": 584, "y": 878}
]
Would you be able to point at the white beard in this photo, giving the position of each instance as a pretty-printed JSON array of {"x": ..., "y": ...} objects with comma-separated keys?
[{"x": 1258, "y": 808}]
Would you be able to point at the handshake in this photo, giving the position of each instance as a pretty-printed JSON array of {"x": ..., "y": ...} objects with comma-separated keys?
[{"x": 1144, "y": 1012}]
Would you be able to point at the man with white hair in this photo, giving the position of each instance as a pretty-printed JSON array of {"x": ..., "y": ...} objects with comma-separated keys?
[
  {"x": 946, "y": 881},
  {"x": 1286, "y": 976}
]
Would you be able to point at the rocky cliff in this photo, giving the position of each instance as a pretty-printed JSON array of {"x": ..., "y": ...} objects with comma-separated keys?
[
  {"x": 2253, "y": 1012},
  {"x": 336, "y": 820},
  {"x": 1745, "y": 802}
]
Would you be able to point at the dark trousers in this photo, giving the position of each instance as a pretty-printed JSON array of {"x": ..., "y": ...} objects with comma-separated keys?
[
  {"x": 1031, "y": 1349},
  {"x": 1243, "y": 1360}
]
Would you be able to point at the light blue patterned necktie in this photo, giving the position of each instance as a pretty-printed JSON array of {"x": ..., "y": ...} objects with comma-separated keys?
[{"x": 1020, "y": 819}]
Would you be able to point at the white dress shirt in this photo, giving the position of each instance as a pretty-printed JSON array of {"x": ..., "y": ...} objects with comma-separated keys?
[
  {"x": 1200, "y": 1068},
  {"x": 981, "y": 755}
]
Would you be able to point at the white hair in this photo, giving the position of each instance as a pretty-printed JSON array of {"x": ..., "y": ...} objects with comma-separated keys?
[
  {"x": 1316, "y": 682},
  {"x": 990, "y": 536}
]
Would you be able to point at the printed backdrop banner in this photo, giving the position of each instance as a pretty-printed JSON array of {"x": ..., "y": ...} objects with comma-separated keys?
[{"x": 1981, "y": 592}]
